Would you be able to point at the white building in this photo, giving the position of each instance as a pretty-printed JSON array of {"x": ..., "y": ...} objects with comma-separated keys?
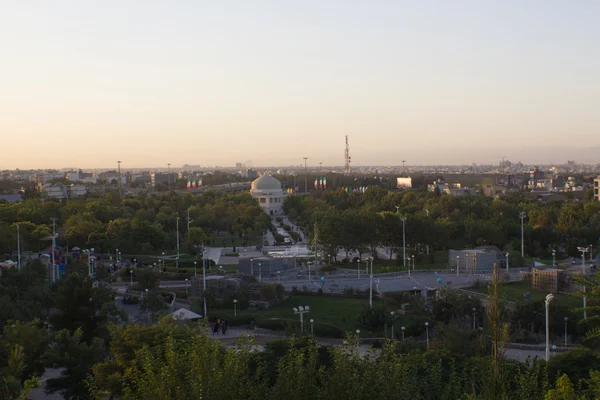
[
  {"x": 60, "y": 191},
  {"x": 269, "y": 194}
]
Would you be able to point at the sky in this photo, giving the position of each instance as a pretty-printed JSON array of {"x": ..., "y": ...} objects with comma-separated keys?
[{"x": 86, "y": 83}]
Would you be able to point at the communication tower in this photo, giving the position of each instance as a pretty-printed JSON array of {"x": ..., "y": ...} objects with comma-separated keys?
[{"x": 347, "y": 157}]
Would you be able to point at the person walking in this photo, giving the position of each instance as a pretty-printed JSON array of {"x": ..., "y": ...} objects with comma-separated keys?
[
  {"x": 224, "y": 326},
  {"x": 217, "y": 327}
]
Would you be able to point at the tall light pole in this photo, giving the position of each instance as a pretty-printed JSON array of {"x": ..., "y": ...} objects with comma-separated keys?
[
  {"x": 393, "y": 314},
  {"x": 371, "y": 285},
  {"x": 131, "y": 277},
  {"x": 553, "y": 258},
  {"x": 358, "y": 268},
  {"x": 583, "y": 250},
  {"x": 312, "y": 327},
  {"x": 403, "y": 219},
  {"x": 305, "y": 176},
  {"x": 186, "y": 287},
  {"x": 234, "y": 307},
  {"x": 188, "y": 220},
  {"x": 522, "y": 215},
  {"x": 177, "y": 259},
  {"x": 566, "y": 319},
  {"x": 427, "y": 334},
  {"x": 204, "y": 282},
  {"x": 301, "y": 311},
  {"x": 260, "y": 272},
  {"x": 252, "y": 266},
  {"x": 457, "y": 264},
  {"x": 195, "y": 265},
  {"x": 548, "y": 300},
  {"x": 19, "y": 246},
  {"x": 403, "y": 328},
  {"x": 474, "y": 313},
  {"x": 53, "y": 248},
  {"x": 169, "y": 176},
  {"x": 413, "y": 261}
]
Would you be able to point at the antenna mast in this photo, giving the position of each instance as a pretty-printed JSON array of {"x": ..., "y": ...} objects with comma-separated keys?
[{"x": 347, "y": 157}]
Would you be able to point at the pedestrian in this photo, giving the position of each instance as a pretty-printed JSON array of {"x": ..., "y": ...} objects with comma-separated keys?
[
  {"x": 224, "y": 326},
  {"x": 217, "y": 327}
]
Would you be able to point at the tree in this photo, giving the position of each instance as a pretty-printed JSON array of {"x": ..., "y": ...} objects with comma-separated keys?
[
  {"x": 193, "y": 238},
  {"x": 72, "y": 352}
]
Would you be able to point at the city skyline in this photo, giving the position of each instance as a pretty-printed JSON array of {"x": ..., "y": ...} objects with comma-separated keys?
[{"x": 214, "y": 84}]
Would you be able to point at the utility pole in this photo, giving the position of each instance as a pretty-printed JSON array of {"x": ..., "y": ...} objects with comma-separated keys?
[
  {"x": 522, "y": 215},
  {"x": 320, "y": 166},
  {"x": 305, "y": 176},
  {"x": 188, "y": 219},
  {"x": 204, "y": 281},
  {"x": 177, "y": 261},
  {"x": 19, "y": 246},
  {"x": 53, "y": 249}
]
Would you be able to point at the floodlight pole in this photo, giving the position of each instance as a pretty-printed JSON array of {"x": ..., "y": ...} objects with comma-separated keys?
[{"x": 548, "y": 300}]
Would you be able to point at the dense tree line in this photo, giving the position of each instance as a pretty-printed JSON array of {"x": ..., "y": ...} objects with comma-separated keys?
[
  {"x": 143, "y": 224},
  {"x": 360, "y": 221}
]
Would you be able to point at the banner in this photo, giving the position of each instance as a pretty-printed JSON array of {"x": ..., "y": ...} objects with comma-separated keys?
[
  {"x": 316, "y": 183},
  {"x": 325, "y": 183},
  {"x": 189, "y": 184}
]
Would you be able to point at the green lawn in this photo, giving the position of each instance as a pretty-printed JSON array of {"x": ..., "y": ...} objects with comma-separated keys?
[
  {"x": 514, "y": 292},
  {"x": 338, "y": 311}
]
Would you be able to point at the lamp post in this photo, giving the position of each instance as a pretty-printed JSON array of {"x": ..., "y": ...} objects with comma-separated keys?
[
  {"x": 474, "y": 312},
  {"x": 53, "y": 249},
  {"x": 278, "y": 277},
  {"x": 427, "y": 334},
  {"x": 403, "y": 328},
  {"x": 186, "y": 287},
  {"x": 312, "y": 327},
  {"x": 403, "y": 219},
  {"x": 19, "y": 246},
  {"x": 131, "y": 277},
  {"x": 522, "y": 215},
  {"x": 162, "y": 260},
  {"x": 357, "y": 338},
  {"x": 252, "y": 266},
  {"x": 548, "y": 300},
  {"x": 300, "y": 310},
  {"x": 413, "y": 261},
  {"x": 371, "y": 285},
  {"x": 177, "y": 259},
  {"x": 358, "y": 268},
  {"x": 457, "y": 264},
  {"x": 195, "y": 265},
  {"x": 583, "y": 250},
  {"x": 566, "y": 319},
  {"x": 234, "y": 307},
  {"x": 260, "y": 272},
  {"x": 305, "y": 176},
  {"x": 204, "y": 284},
  {"x": 553, "y": 258},
  {"x": 507, "y": 262},
  {"x": 393, "y": 314}
]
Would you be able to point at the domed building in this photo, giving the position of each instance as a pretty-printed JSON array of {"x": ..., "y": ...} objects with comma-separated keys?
[{"x": 269, "y": 193}]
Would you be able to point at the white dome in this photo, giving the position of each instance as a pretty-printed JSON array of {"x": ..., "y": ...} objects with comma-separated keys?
[{"x": 266, "y": 182}]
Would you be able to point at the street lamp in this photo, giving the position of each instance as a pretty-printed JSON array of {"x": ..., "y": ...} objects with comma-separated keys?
[
  {"x": 260, "y": 272},
  {"x": 371, "y": 284},
  {"x": 53, "y": 249},
  {"x": 195, "y": 265},
  {"x": 474, "y": 312},
  {"x": 358, "y": 268},
  {"x": 301, "y": 311},
  {"x": 163, "y": 261},
  {"x": 583, "y": 250},
  {"x": 186, "y": 287},
  {"x": 403, "y": 328},
  {"x": 278, "y": 277},
  {"x": 252, "y": 266},
  {"x": 553, "y": 349},
  {"x": 548, "y": 300},
  {"x": 403, "y": 219},
  {"x": 413, "y": 261},
  {"x": 457, "y": 264},
  {"x": 357, "y": 338},
  {"x": 393, "y": 314},
  {"x": 234, "y": 307},
  {"x": 566, "y": 319},
  {"x": 522, "y": 215},
  {"x": 131, "y": 275},
  {"x": 19, "y": 246},
  {"x": 553, "y": 258},
  {"x": 507, "y": 262},
  {"x": 427, "y": 334},
  {"x": 312, "y": 327}
]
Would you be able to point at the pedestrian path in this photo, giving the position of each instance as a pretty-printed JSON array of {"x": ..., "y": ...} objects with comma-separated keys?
[{"x": 214, "y": 253}]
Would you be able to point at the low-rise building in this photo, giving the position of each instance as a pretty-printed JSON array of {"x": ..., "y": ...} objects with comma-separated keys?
[
  {"x": 597, "y": 188},
  {"x": 481, "y": 259}
]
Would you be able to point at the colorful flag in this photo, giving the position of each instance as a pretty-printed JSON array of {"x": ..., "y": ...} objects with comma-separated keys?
[
  {"x": 325, "y": 183},
  {"x": 189, "y": 184},
  {"x": 316, "y": 183}
]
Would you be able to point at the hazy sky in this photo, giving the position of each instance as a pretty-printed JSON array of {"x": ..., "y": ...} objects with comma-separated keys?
[{"x": 86, "y": 83}]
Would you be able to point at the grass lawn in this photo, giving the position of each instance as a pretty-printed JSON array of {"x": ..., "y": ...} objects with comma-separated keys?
[
  {"x": 338, "y": 311},
  {"x": 514, "y": 292}
]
